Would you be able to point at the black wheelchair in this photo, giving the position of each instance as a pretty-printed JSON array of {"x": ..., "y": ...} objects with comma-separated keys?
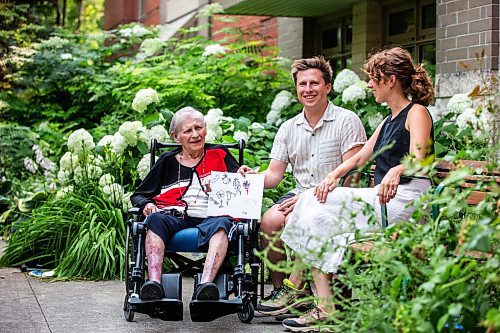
[{"x": 238, "y": 276}]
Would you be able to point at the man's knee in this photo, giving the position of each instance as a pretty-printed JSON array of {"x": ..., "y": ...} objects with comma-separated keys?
[{"x": 272, "y": 221}]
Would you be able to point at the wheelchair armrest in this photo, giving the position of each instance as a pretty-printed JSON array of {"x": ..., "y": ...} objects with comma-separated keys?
[
  {"x": 350, "y": 173},
  {"x": 134, "y": 211}
]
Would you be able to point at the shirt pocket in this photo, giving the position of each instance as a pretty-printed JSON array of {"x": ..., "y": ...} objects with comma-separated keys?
[{"x": 329, "y": 153}]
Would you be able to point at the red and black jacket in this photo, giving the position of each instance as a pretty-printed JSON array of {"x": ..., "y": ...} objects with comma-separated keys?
[{"x": 167, "y": 181}]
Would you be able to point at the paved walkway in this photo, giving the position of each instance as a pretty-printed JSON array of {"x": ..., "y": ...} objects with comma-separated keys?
[{"x": 29, "y": 304}]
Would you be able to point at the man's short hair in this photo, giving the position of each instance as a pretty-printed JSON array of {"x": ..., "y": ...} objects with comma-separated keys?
[{"x": 318, "y": 62}]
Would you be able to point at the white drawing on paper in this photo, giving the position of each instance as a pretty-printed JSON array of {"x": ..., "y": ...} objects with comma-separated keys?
[{"x": 234, "y": 195}]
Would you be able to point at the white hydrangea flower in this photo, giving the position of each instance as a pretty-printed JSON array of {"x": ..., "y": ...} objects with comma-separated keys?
[
  {"x": 458, "y": 103},
  {"x": 143, "y": 98},
  {"x": 106, "y": 179},
  {"x": 238, "y": 135},
  {"x": 80, "y": 141},
  {"x": 66, "y": 56},
  {"x": 211, "y": 9},
  {"x": 118, "y": 144},
  {"x": 212, "y": 136},
  {"x": 63, "y": 176},
  {"x": 30, "y": 165},
  {"x": 114, "y": 192},
  {"x": 157, "y": 132},
  {"x": 151, "y": 45},
  {"x": 353, "y": 93},
  {"x": 143, "y": 166},
  {"x": 282, "y": 100},
  {"x": 374, "y": 120},
  {"x": 364, "y": 85},
  {"x": 64, "y": 191},
  {"x": 90, "y": 171},
  {"x": 68, "y": 161},
  {"x": 136, "y": 31},
  {"x": 467, "y": 119},
  {"x": 105, "y": 141},
  {"x": 131, "y": 131},
  {"x": 345, "y": 79},
  {"x": 126, "y": 203},
  {"x": 214, "y": 49},
  {"x": 256, "y": 126},
  {"x": 486, "y": 121},
  {"x": 273, "y": 117}
]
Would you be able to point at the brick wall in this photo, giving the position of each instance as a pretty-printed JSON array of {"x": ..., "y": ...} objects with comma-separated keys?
[
  {"x": 262, "y": 27},
  {"x": 464, "y": 28},
  {"x": 118, "y": 12}
]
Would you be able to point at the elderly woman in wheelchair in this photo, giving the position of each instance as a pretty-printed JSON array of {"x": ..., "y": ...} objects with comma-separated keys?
[
  {"x": 171, "y": 206},
  {"x": 174, "y": 196}
]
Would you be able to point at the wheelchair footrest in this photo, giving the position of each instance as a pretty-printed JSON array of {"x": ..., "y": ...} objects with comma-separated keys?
[
  {"x": 203, "y": 311},
  {"x": 168, "y": 308}
]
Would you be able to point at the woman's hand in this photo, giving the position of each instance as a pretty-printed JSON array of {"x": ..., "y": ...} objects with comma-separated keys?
[
  {"x": 389, "y": 186},
  {"x": 287, "y": 206},
  {"x": 246, "y": 169},
  {"x": 326, "y": 186},
  {"x": 150, "y": 208}
]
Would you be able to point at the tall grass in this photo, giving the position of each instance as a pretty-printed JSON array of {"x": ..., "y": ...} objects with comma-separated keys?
[{"x": 80, "y": 235}]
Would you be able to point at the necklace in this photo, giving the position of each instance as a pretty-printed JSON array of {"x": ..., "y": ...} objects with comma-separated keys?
[{"x": 202, "y": 160}]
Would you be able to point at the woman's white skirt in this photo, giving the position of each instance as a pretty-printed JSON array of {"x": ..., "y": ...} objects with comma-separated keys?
[{"x": 319, "y": 233}]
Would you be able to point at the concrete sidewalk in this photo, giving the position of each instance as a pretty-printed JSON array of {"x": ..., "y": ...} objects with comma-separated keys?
[{"x": 29, "y": 304}]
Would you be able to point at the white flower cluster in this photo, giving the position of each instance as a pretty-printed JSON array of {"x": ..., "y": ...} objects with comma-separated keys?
[
  {"x": 353, "y": 93},
  {"x": 131, "y": 131},
  {"x": 30, "y": 165},
  {"x": 281, "y": 101},
  {"x": 136, "y": 31},
  {"x": 116, "y": 143},
  {"x": 143, "y": 166},
  {"x": 44, "y": 162},
  {"x": 80, "y": 141},
  {"x": 213, "y": 119},
  {"x": 211, "y": 9},
  {"x": 64, "y": 191},
  {"x": 238, "y": 135},
  {"x": 150, "y": 46},
  {"x": 54, "y": 43},
  {"x": 143, "y": 98},
  {"x": 106, "y": 179},
  {"x": 480, "y": 121},
  {"x": 374, "y": 120},
  {"x": 345, "y": 79},
  {"x": 3, "y": 105},
  {"x": 66, "y": 56},
  {"x": 114, "y": 193},
  {"x": 214, "y": 49},
  {"x": 458, "y": 103},
  {"x": 157, "y": 132},
  {"x": 20, "y": 55}
]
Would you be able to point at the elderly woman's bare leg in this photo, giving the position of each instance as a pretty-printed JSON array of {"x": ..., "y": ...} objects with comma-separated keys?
[
  {"x": 155, "y": 249},
  {"x": 217, "y": 249},
  {"x": 324, "y": 290}
]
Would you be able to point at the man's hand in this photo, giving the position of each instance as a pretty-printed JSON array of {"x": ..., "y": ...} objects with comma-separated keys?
[
  {"x": 286, "y": 207},
  {"x": 326, "y": 186},
  {"x": 246, "y": 169},
  {"x": 150, "y": 208},
  {"x": 389, "y": 185}
]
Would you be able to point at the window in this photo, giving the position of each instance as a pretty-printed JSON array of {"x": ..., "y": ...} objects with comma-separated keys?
[
  {"x": 414, "y": 28},
  {"x": 336, "y": 42}
]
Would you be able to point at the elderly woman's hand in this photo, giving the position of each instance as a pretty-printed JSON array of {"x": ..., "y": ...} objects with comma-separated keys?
[
  {"x": 150, "y": 208},
  {"x": 389, "y": 185},
  {"x": 326, "y": 186}
]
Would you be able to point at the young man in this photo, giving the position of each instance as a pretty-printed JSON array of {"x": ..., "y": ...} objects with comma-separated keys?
[{"x": 314, "y": 142}]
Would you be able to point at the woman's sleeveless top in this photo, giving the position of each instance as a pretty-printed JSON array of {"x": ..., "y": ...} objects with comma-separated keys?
[{"x": 394, "y": 132}]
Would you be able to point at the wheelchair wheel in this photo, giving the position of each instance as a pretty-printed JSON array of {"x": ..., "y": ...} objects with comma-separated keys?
[
  {"x": 248, "y": 312},
  {"x": 128, "y": 313}
]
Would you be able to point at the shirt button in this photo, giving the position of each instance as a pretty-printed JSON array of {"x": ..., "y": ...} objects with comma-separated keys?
[
  {"x": 312, "y": 134},
  {"x": 312, "y": 175},
  {"x": 312, "y": 155}
]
